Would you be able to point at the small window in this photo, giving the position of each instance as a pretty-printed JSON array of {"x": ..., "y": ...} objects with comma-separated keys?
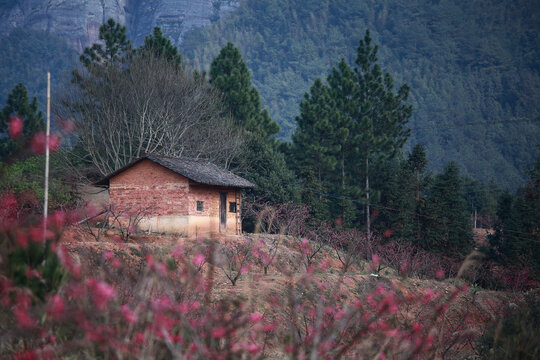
[
  {"x": 232, "y": 207},
  {"x": 200, "y": 205}
]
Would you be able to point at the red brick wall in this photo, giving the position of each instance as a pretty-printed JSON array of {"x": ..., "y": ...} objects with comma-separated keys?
[{"x": 148, "y": 184}]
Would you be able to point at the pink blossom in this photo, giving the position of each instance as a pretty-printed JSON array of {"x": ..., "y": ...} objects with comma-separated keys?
[
  {"x": 108, "y": 255},
  {"x": 23, "y": 317},
  {"x": 57, "y": 307},
  {"x": 39, "y": 141},
  {"x": 139, "y": 338},
  {"x": 219, "y": 333},
  {"x": 253, "y": 348},
  {"x": 128, "y": 315},
  {"x": 417, "y": 327},
  {"x": 102, "y": 293},
  {"x": 67, "y": 126},
  {"x": 15, "y": 126},
  {"x": 178, "y": 252},
  {"x": 22, "y": 240},
  {"x": 57, "y": 219},
  {"x": 25, "y": 355},
  {"x": 429, "y": 295},
  {"x": 339, "y": 314},
  {"x": 376, "y": 259},
  {"x": 32, "y": 273},
  {"x": 439, "y": 274},
  {"x": 255, "y": 317},
  {"x": 116, "y": 263},
  {"x": 198, "y": 260}
]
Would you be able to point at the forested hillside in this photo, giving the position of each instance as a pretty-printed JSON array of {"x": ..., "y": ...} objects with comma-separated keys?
[
  {"x": 26, "y": 56},
  {"x": 472, "y": 67}
]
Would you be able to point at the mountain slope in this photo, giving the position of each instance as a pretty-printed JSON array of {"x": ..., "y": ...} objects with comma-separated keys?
[{"x": 472, "y": 67}]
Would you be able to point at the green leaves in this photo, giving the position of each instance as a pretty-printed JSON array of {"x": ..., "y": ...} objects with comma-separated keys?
[
  {"x": 18, "y": 104},
  {"x": 117, "y": 46},
  {"x": 159, "y": 46},
  {"x": 261, "y": 160},
  {"x": 348, "y": 122}
]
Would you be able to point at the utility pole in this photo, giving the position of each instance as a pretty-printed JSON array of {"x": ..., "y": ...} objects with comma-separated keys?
[{"x": 47, "y": 135}]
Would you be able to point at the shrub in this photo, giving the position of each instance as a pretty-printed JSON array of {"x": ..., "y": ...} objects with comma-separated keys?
[{"x": 515, "y": 334}]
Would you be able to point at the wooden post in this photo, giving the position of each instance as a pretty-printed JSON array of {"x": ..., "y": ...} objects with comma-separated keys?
[{"x": 47, "y": 136}]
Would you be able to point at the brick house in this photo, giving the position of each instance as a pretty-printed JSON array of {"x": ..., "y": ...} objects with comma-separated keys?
[{"x": 178, "y": 195}]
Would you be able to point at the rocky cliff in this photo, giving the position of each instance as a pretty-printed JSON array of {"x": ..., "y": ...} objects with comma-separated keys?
[{"x": 78, "y": 21}]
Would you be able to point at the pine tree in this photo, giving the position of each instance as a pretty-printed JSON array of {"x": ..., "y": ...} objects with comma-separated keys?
[
  {"x": 117, "y": 46},
  {"x": 261, "y": 160},
  {"x": 348, "y": 126},
  {"x": 518, "y": 224},
  {"x": 230, "y": 74},
  {"x": 447, "y": 226},
  {"x": 381, "y": 115},
  {"x": 417, "y": 165},
  {"x": 159, "y": 46},
  {"x": 342, "y": 89},
  {"x": 314, "y": 148},
  {"x": 19, "y": 104}
]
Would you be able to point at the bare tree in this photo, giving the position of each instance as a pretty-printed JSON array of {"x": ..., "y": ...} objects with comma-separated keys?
[
  {"x": 235, "y": 258},
  {"x": 146, "y": 106}
]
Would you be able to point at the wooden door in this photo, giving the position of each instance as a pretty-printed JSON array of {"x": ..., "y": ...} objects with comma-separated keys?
[{"x": 222, "y": 212}]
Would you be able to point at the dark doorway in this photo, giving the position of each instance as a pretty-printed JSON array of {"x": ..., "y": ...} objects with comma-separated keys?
[{"x": 222, "y": 212}]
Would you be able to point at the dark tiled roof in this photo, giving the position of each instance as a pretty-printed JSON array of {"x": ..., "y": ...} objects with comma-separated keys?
[{"x": 200, "y": 171}]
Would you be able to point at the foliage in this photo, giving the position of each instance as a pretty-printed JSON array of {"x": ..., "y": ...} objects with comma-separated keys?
[
  {"x": 348, "y": 128},
  {"x": 515, "y": 334},
  {"x": 447, "y": 227},
  {"x": 18, "y": 107},
  {"x": 518, "y": 218},
  {"x": 26, "y": 56},
  {"x": 161, "y": 47},
  {"x": 117, "y": 46},
  {"x": 261, "y": 160},
  {"x": 30, "y": 259},
  {"x": 471, "y": 66},
  {"x": 26, "y": 178},
  {"x": 230, "y": 74}
]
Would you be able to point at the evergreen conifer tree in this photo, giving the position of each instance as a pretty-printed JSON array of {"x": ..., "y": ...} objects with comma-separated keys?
[
  {"x": 261, "y": 161},
  {"x": 518, "y": 224},
  {"x": 117, "y": 46},
  {"x": 349, "y": 127},
  {"x": 447, "y": 226},
  {"x": 314, "y": 148},
  {"x": 159, "y": 46},
  {"x": 18, "y": 104},
  {"x": 381, "y": 115}
]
